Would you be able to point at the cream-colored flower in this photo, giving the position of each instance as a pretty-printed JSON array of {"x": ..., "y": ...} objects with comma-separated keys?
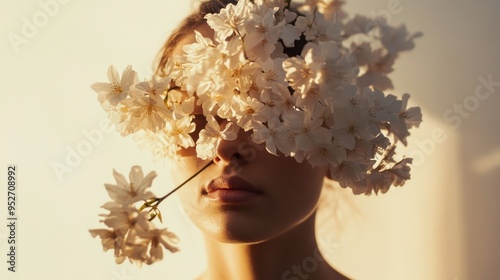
[
  {"x": 155, "y": 86},
  {"x": 211, "y": 135},
  {"x": 126, "y": 218},
  {"x": 125, "y": 193},
  {"x": 230, "y": 20},
  {"x": 303, "y": 73},
  {"x": 110, "y": 239},
  {"x": 159, "y": 238},
  {"x": 149, "y": 112},
  {"x": 117, "y": 89},
  {"x": 178, "y": 131},
  {"x": 407, "y": 118}
]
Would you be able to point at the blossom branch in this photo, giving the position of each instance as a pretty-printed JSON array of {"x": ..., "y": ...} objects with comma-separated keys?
[{"x": 154, "y": 202}]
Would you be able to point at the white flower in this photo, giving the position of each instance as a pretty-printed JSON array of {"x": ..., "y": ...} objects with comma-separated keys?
[
  {"x": 306, "y": 26},
  {"x": 156, "y": 86},
  {"x": 119, "y": 115},
  {"x": 374, "y": 182},
  {"x": 111, "y": 239},
  {"x": 339, "y": 68},
  {"x": 242, "y": 76},
  {"x": 268, "y": 135},
  {"x": 400, "y": 171},
  {"x": 251, "y": 111},
  {"x": 302, "y": 73},
  {"x": 348, "y": 172},
  {"x": 351, "y": 124},
  {"x": 342, "y": 97},
  {"x": 125, "y": 193},
  {"x": 178, "y": 131},
  {"x": 412, "y": 116},
  {"x": 202, "y": 66},
  {"x": 230, "y": 20},
  {"x": 326, "y": 154},
  {"x": 211, "y": 135},
  {"x": 317, "y": 28},
  {"x": 310, "y": 100},
  {"x": 174, "y": 69},
  {"x": 281, "y": 102},
  {"x": 117, "y": 89},
  {"x": 125, "y": 218},
  {"x": 262, "y": 34},
  {"x": 407, "y": 119},
  {"x": 195, "y": 53},
  {"x": 130, "y": 232},
  {"x": 381, "y": 107},
  {"x": 230, "y": 54},
  {"x": 272, "y": 75},
  {"x": 158, "y": 238},
  {"x": 290, "y": 33},
  {"x": 136, "y": 252},
  {"x": 308, "y": 131},
  {"x": 149, "y": 112}
]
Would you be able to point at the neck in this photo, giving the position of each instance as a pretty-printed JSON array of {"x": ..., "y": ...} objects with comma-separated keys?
[{"x": 292, "y": 255}]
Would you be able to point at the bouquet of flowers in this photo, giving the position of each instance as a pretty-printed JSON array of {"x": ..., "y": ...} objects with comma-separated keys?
[{"x": 325, "y": 105}]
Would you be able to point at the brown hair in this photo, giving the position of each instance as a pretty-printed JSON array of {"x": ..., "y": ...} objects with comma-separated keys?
[{"x": 186, "y": 27}]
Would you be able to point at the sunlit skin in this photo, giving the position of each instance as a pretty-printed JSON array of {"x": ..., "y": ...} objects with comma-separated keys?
[{"x": 270, "y": 234}]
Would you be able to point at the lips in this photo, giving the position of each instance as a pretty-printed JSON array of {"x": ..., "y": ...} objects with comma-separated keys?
[{"x": 231, "y": 190}]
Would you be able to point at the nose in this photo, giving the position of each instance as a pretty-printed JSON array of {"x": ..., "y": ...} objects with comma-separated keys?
[{"x": 235, "y": 153}]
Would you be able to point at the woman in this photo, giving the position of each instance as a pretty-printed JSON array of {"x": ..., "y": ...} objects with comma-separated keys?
[
  {"x": 258, "y": 220},
  {"x": 270, "y": 128}
]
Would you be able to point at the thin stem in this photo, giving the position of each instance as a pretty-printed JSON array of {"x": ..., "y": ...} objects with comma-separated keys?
[{"x": 159, "y": 200}]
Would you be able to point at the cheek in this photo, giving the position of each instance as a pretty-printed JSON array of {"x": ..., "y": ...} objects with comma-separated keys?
[
  {"x": 189, "y": 200},
  {"x": 295, "y": 187},
  {"x": 298, "y": 193},
  {"x": 189, "y": 194},
  {"x": 183, "y": 169},
  {"x": 293, "y": 191},
  {"x": 292, "y": 179}
]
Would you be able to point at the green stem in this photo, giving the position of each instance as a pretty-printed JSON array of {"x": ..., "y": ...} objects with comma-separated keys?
[{"x": 159, "y": 200}]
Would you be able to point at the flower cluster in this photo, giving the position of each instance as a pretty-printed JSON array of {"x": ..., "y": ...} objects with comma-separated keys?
[
  {"x": 130, "y": 232},
  {"x": 324, "y": 106}
]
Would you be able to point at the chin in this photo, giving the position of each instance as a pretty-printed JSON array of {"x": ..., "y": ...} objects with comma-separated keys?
[{"x": 234, "y": 228}]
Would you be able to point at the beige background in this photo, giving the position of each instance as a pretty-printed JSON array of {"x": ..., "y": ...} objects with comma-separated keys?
[{"x": 442, "y": 225}]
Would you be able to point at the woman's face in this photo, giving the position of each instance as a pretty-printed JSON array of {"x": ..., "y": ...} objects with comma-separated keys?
[{"x": 248, "y": 195}]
